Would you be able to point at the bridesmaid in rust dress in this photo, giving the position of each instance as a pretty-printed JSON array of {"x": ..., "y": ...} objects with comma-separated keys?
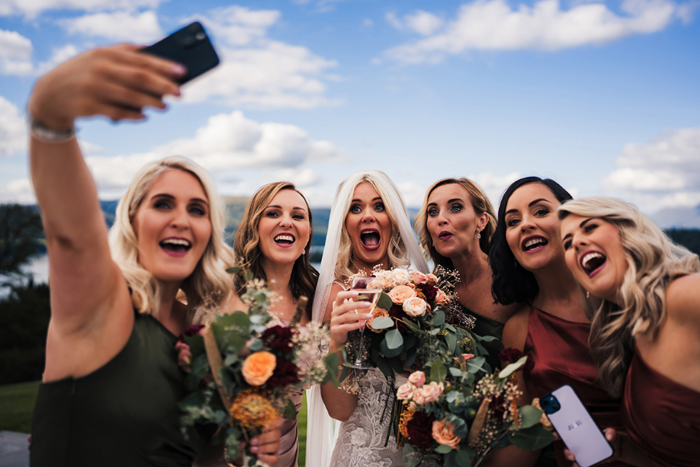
[
  {"x": 644, "y": 303},
  {"x": 529, "y": 268}
]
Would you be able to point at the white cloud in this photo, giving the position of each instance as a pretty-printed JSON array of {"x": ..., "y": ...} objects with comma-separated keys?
[
  {"x": 138, "y": 28},
  {"x": 13, "y": 129},
  {"x": 301, "y": 177},
  {"x": 18, "y": 191},
  {"x": 31, "y": 8},
  {"x": 420, "y": 22},
  {"x": 229, "y": 142},
  {"x": 58, "y": 56},
  {"x": 662, "y": 173},
  {"x": 257, "y": 72},
  {"x": 15, "y": 53},
  {"x": 494, "y": 186},
  {"x": 494, "y": 25}
]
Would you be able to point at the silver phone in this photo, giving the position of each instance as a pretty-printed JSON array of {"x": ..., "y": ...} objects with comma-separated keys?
[{"x": 575, "y": 426}]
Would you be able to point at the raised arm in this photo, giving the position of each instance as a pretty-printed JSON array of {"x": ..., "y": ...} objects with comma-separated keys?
[{"x": 86, "y": 285}]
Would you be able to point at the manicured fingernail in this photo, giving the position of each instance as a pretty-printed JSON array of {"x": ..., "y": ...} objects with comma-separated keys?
[
  {"x": 179, "y": 70},
  {"x": 254, "y": 449},
  {"x": 368, "y": 316}
]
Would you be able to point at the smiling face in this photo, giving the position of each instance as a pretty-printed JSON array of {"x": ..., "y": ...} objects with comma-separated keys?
[
  {"x": 594, "y": 254},
  {"x": 452, "y": 221},
  {"x": 369, "y": 228},
  {"x": 172, "y": 226},
  {"x": 531, "y": 226},
  {"x": 284, "y": 229}
]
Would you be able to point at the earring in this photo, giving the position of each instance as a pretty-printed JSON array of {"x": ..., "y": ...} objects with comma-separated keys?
[
  {"x": 478, "y": 235},
  {"x": 303, "y": 252},
  {"x": 588, "y": 294}
]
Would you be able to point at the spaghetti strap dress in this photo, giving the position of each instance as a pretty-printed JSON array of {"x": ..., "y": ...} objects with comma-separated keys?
[
  {"x": 123, "y": 414},
  {"x": 661, "y": 416},
  {"x": 559, "y": 349}
]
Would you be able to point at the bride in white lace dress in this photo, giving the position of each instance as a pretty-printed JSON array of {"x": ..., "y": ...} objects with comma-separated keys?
[{"x": 368, "y": 227}]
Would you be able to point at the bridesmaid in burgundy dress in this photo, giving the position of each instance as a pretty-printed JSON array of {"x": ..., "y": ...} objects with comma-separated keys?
[
  {"x": 645, "y": 335},
  {"x": 528, "y": 263}
]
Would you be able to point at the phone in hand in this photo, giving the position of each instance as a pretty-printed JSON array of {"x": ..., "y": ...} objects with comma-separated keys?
[
  {"x": 575, "y": 426},
  {"x": 189, "y": 46}
]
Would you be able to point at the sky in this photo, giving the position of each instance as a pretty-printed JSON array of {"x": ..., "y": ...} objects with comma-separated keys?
[{"x": 602, "y": 96}]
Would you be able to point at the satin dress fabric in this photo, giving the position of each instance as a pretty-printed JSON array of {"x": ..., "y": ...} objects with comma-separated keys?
[
  {"x": 560, "y": 351},
  {"x": 661, "y": 416}
]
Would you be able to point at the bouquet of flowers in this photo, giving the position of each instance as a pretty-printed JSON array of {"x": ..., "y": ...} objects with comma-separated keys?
[
  {"x": 241, "y": 371},
  {"x": 409, "y": 326},
  {"x": 452, "y": 419}
]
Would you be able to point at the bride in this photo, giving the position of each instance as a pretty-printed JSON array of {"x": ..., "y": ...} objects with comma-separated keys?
[{"x": 368, "y": 227}]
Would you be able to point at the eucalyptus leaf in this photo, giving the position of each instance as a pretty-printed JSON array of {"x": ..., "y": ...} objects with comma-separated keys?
[
  {"x": 486, "y": 338},
  {"x": 438, "y": 318},
  {"x": 382, "y": 323},
  {"x": 410, "y": 325},
  {"x": 234, "y": 270},
  {"x": 256, "y": 346},
  {"x": 475, "y": 365},
  {"x": 384, "y": 302},
  {"x": 410, "y": 358},
  {"x": 449, "y": 327},
  {"x": 290, "y": 411},
  {"x": 434, "y": 331},
  {"x": 451, "y": 341},
  {"x": 438, "y": 371},
  {"x": 529, "y": 416},
  {"x": 456, "y": 372},
  {"x": 512, "y": 368},
  {"x": 460, "y": 457},
  {"x": 393, "y": 339},
  {"x": 443, "y": 449},
  {"x": 389, "y": 352},
  {"x": 535, "y": 437}
]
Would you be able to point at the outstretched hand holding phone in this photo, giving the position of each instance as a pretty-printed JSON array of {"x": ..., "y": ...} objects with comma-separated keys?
[{"x": 624, "y": 450}]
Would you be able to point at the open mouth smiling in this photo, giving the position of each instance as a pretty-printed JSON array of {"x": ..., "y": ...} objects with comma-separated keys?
[
  {"x": 533, "y": 243},
  {"x": 176, "y": 245},
  {"x": 592, "y": 261},
  {"x": 370, "y": 239},
  {"x": 284, "y": 239}
]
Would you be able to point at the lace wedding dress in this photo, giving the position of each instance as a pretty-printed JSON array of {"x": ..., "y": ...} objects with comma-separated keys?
[{"x": 361, "y": 439}]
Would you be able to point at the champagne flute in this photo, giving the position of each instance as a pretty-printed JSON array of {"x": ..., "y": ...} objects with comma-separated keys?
[{"x": 371, "y": 295}]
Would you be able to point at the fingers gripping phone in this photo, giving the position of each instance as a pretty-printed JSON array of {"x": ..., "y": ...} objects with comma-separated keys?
[
  {"x": 575, "y": 426},
  {"x": 190, "y": 47}
]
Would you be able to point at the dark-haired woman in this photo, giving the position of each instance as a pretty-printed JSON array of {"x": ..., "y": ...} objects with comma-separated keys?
[
  {"x": 273, "y": 241},
  {"x": 455, "y": 226},
  {"x": 528, "y": 264}
]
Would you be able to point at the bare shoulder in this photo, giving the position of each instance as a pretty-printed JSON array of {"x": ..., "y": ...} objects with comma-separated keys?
[
  {"x": 515, "y": 330},
  {"x": 236, "y": 304},
  {"x": 683, "y": 298},
  {"x": 336, "y": 288}
]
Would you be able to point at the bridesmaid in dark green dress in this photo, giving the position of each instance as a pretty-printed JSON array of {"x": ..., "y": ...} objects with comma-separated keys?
[
  {"x": 455, "y": 226},
  {"x": 111, "y": 382}
]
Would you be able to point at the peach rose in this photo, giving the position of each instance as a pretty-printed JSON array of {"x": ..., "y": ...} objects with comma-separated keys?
[
  {"x": 376, "y": 313},
  {"x": 401, "y": 276},
  {"x": 418, "y": 397},
  {"x": 258, "y": 367},
  {"x": 417, "y": 378},
  {"x": 431, "y": 392},
  {"x": 415, "y": 306},
  {"x": 405, "y": 392},
  {"x": 401, "y": 293},
  {"x": 418, "y": 277},
  {"x": 432, "y": 279},
  {"x": 443, "y": 433},
  {"x": 440, "y": 297}
]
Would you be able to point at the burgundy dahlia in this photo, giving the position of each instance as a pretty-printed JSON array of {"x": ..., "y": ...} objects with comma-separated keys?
[
  {"x": 429, "y": 291},
  {"x": 420, "y": 430},
  {"x": 278, "y": 338},
  {"x": 396, "y": 312},
  {"x": 285, "y": 373},
  {"x": 511, "y": 355}
]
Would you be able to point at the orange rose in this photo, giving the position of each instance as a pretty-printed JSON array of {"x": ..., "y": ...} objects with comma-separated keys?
[
  {"x": 443, "y": 433},
  {"x": 400, "y": 293},
  {"x": 258, "y": 367}
]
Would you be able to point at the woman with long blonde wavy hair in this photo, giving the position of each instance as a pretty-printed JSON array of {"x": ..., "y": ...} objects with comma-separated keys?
[
  {"x": 643, "y": 297},
  {"x": 111, "y": 383}
]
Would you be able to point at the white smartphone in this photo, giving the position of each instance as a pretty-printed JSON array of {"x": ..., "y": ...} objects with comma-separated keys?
[{"x": 575, "y": 426}]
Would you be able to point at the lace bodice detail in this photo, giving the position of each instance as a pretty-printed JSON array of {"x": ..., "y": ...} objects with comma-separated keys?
[{"x": 361, "y": 439}]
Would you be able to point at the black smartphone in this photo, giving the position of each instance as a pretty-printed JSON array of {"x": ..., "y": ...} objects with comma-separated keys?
[
  {"x": 189, "y": 46},
  {"x": 575, "y": 426}
]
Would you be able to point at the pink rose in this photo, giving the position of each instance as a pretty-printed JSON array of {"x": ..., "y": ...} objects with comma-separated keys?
[
  {"x": 443, "y": 433},
  {"x": 417, "y": 378},
  {"x": 418, "y": 277},
  {"x": 401, "y": 293},
  {"x": 431, "y": 392},
  {"x": 432, "y": 279},
  {"x": 415, "y": 306},
  {"x": 405, "y": 392},
  {"x": 418, "y": 397}
]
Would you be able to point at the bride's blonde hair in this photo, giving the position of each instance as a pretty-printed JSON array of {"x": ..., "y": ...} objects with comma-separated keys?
[
  {"x": 209, "y": 286},
  {"x": 653, "y": 261}
]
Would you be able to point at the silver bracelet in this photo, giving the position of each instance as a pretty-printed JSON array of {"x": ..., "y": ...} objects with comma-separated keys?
[{"x": 47, "y": 135}]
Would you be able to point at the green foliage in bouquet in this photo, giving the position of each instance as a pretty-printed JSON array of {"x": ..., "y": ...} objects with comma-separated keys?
[{"x": 242, "y": 371}]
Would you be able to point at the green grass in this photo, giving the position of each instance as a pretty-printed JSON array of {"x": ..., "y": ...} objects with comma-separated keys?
[
  {"x": 17, "y": 406},
  {"x": 301, "y": 423}
]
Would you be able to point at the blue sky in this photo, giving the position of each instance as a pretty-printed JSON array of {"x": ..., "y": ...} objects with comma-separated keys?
[{"x": 601, "y": 96}]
